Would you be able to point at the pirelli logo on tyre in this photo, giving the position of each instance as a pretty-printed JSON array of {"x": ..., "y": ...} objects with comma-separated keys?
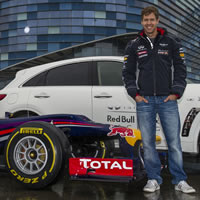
[{"x": 31, "y": 130}]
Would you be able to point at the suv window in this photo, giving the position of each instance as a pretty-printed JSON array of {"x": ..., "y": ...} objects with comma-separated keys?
[
  {"x": 109, "y": 73},
  {"x": 38, "y": 80},
  {"x": 72, "y": 74}
]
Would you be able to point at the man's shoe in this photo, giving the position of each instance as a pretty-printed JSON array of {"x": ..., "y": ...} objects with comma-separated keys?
[
  {"x": 151, "y": 186},
  {"x": 184, "y": 187}
]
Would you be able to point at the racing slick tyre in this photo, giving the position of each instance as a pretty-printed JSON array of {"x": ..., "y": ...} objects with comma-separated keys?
[{"x": 34, "y": 154}]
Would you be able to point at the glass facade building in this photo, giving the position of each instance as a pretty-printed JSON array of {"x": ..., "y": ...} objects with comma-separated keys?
[{"x": 32, "y": 28}]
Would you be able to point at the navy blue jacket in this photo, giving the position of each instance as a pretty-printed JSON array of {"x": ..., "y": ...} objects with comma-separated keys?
[{"x": 154, "y": 68}]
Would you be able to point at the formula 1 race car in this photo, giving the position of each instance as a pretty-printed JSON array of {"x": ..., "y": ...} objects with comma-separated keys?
[{"x": 35, "y": 149}]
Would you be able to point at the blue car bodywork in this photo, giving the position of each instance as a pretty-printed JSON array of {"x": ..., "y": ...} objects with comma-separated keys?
[{"x": 24, "y": 149}]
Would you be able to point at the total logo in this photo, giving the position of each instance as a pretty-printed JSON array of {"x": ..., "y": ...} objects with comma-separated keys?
[
  {"x": 106, "y": 164},
  {"x": 100, "y": 167}
]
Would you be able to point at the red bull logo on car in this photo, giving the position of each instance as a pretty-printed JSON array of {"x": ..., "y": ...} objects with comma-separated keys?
[{"x": 122, "y": 131}]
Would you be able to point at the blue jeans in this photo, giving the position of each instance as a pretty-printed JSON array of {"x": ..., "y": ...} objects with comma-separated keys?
[{"x": 170, "y": 121}]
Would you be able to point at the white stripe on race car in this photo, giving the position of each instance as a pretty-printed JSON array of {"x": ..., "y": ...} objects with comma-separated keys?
[{"x": 4, "y": 138}]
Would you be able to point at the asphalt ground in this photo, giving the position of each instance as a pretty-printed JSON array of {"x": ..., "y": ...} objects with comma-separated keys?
[{"x": 89, "y": 190}]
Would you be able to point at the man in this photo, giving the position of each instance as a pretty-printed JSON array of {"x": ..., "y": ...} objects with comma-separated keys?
[{"x": 154, "y": 75}]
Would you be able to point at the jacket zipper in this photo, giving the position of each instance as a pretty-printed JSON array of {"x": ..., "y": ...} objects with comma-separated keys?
[{"x": 154, "y": 68}]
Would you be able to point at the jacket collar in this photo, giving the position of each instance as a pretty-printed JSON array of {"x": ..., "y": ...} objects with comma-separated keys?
[{"x": 161, "y": 31}]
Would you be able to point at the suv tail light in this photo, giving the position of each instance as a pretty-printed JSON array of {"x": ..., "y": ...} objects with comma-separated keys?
[{"x": 2, "y": 96}]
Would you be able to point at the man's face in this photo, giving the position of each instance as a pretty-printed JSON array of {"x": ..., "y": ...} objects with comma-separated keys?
[{"x": 149, "y": 23}]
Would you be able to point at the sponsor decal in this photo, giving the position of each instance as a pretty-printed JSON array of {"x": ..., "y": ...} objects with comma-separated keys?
[
  {"x": 141, "y": 47},
  {"x": 143, "y": 55},
  {"x": 122, "y": 131},
  {"x": 163, "y": 52},
  {"x": 181, "y": 53},
  {"x": 163, "y": 45},
  {"x": 142, "y": 52},
  {"x": 99, "y": 166},
  {"x": 121, "y": 118},
  {"x": 30, "y": 130}
]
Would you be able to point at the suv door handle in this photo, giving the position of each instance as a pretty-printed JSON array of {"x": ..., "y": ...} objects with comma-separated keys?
[
  {"x": 38, "y": 96},
  {"x": 42, "y": 95},
  {"x": 102, "y": 96}
]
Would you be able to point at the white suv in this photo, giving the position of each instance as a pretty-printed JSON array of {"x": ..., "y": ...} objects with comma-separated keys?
[{"x": 91, "y": 86}]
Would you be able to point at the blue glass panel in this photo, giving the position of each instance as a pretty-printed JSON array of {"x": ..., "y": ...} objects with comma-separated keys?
[
  {"x": 39, "y": 53},
  {"x": 100, "y": 22},
  {"x": 111, "y": 23},
  {"x": 64, "y": 45},
  {"x": 89, "y": 30},
  {"x": 110, "y": 7},
  {"x": 77, "y": 6},
  {"x": 43, "y": 7},
  {"x": 99, "y": 30},
  {"x": 121, "y": 31},
  {"x": 54, "y": 6},
  {"x": 12, "y": 40},
  {"x": 13, "y": 25},
  {"x": 24, "y": 55},
  {"x": 88, "y": 14},
  {"x": 134, "y": 18},
  {"x": 42, "y": 38},
  {"x": 32, "y": 23},
  {"x": 130, "y": 25},
  {"x": 110, "y": 15},
  {"x": 110, "y": 31},
  {"x": 4, "y": 34},
  {"x": 133, "y": 10},
  {"x": 100, "y": 6},
  {"x": 42, "y": 46},
  {"x": 77, "y": 22},
  {"x": 65, "y": 6},
  {"x": 21, "y": 24},
  {"x": 121, "y": 8},
  {"x": 3, "y": 64},
  {"x": 32, "y": 15},
  {"x": 77, "y": 14},
  {"x": 5, "y": 4},
  {"x": 87, "y": 38},
  {"x": 121, "y": 24},
  {"x": 53, "y": 46},
  {"x": 130, "y": 2},
  {"x": 31, "y": 8},
  {"x": 121, "y": 16},
  {"x": 65, "y": 29},
  {"x": 77, "y": 29},
  {"x": 89, "y": 6},
  {"x": 65, "y": 38},
  {"x": 42, "y": 30},
  {"x": 88, "y": 22},
  {"x": 121, "y": 2},
  {"x": 12, "y": 62}
]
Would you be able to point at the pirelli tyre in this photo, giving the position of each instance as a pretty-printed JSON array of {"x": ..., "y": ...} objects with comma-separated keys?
[{"x": 34, "y": 154}]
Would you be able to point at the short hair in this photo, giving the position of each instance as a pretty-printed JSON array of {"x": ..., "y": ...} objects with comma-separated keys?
[{"x": 148, "y": 10}]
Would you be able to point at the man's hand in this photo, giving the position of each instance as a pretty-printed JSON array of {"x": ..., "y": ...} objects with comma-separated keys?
[
  {"x": 140, "y": 98},
  {"x": 172, "y": 97}
]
